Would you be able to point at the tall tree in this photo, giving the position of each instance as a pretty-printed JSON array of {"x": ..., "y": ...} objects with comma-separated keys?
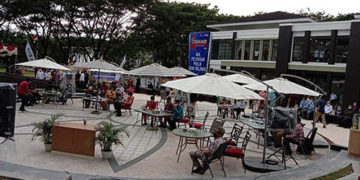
[{"x": 164, "y": 28}]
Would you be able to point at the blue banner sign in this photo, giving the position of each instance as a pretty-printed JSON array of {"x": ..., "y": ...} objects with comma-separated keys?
[{"x": 198, "y": 52}]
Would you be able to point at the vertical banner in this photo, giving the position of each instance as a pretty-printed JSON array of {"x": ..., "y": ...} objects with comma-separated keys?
[
  {"x": 199, "y": 52},
  {"x": 29, "y": 53}
]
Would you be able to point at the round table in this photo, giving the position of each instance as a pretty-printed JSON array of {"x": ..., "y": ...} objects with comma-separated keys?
[{"x": 189, "y": 137}]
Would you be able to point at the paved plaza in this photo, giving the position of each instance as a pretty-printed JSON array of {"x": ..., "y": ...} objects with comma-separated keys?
[{"x": 145, "y": 154}]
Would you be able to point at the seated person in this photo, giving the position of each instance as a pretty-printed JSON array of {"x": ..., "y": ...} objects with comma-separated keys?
[
  {"x": 66, "y": 93},
  {"x": 131, "y": 89},
  {"x": 150, "y": 105},
  {"x": 239, "y": 107},
  {"x": 303, "y": 107},
  {"x": 202, "y": 155},
  {"x": 328, "y": 109},
  {"x": 178, "y": 114},
  {"x": 119, "y": 90},
  {"x": 90, "y": 92},
  {"x": 261, "y": 107},
  {"x": 345, "y": 119},
  {"x": 126, "y": 104},
  {"x": 103, "y": 89},
  {"x": 310, "y": 109},
  {"x": 297, "y": 137},
  {"x": 110, "y": 96},
  {"x": 118, "y": 103},
  {"x": 169, "y": 107},
  {"x": 192, "y": 108},
  {"x": 33, "y": 95}
]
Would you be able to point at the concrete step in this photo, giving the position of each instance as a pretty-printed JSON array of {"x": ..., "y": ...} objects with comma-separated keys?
[{"x": 330, "y": 162}]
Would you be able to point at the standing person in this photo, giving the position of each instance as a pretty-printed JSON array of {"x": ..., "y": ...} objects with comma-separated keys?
[
  {"x": 82, "y": 80},
  {"x": 192, "y": 107},
  {"x": 320, "y": 112},
  {"x": 47, "y": 75},
  {"x": 77, "y": 79},
  {"x": 23, "y": 91},
  {"x": 239, "y": 107},
  {"x": 333, "y": 98},
  {"x": 40, "y": 74},
  {"x": 355, "y": 107},
  {"x": 137, "y": 88},
  {"x": 118, "y": 103},
  {"x": 178, "y": 114},
  {"x": 86, "y": 79},
  {"x": 310, "y": 109}
]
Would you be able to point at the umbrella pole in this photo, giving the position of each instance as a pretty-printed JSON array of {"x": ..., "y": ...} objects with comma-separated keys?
[
  {"x": 97, "y": 96},
  {"x": 266, "y": 123}
]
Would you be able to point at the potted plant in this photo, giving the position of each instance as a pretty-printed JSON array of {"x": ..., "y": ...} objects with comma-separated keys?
[
  {"x": 44, "y": 130},
  {"x": 107, "y": 136}
]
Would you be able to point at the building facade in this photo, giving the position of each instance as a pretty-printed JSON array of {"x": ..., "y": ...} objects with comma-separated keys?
[{"x": 268, "y": 45}]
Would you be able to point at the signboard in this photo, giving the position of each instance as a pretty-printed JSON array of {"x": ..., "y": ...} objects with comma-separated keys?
[
  {"x": 104, "y": 76},
  {"x": 199, "y": 52}
]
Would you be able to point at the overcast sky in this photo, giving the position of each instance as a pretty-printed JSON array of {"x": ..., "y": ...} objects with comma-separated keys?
[{"x": 249, "y": 7}]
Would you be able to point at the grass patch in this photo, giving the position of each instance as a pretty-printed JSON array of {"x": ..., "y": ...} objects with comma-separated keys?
[{"x": 337, "y": 174}]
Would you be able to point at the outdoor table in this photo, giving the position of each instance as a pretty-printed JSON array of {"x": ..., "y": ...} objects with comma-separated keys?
[
  {"x": 51, "y": 96},
  {"x": 256, "y": 125},
  {"x": 150, "y": 113},
  {"x": 93, "y": 100},
  {"x": 189, "y": 137},
  {"x": 227, "y": 107}
]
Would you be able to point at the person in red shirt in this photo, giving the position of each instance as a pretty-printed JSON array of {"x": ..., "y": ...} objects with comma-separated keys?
[
  {"x": 151, "y": 105},
  {"x": 23, "y": 91}
]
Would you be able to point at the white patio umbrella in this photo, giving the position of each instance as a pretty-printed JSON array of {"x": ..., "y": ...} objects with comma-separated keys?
[
  {"x": 240, "y": 78},
  {"x": 283, "y": 86},
  {"x": 98, "y": 64},
  {"x": 46, "y": 63},
  {"x": 108, "y": 71},
  {"x": 155, "y": 70},
  {"x": 212, "y": 84},
  {"x": 183, "y": 71}
]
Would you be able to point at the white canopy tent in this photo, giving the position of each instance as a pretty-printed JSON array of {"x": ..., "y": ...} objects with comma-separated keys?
[
  {"x": 240, "y": 78},
  {"x": 212, "y": 84},
  {"x": 283, "y": 86},
  {"x": 155, "y": 70},
  {"x": 46, "y": 63},
  {"x": 183, "y": 71}
]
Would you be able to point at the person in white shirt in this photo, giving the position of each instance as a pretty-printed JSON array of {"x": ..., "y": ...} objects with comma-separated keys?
[
  {"x": 328, "y": 109},
  {"x": 40, "y": 74},
  {"x": 47, "y": 75},
  {"x": 333, "y": 98},
  {"x": 82, "y": 80}
]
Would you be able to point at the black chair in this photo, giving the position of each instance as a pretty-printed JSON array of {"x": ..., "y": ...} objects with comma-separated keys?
[
  {"x": 216, "y": 123},
  {"x": 308, "y": 145},
  {"x": 239, "y": 152},
  {"x": 218, "y": 155},
  {"x": 235, "y": 134}
]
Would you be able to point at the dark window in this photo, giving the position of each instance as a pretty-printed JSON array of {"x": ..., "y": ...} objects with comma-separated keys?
[
  {"x": 319, "y": 49},
  {"x": 265, "y": 50},
  {"x": 238, "y": 50},
  {"x": 247, "y": 50},
  {"x": 342, "y": 46},
  {"x": 298, "y": 49},
  {"x": 256, "y": 51},
  {"x": 215, "y": 49},
  {"x": 225, "y": 49},
  {"x": 274, "y": 50}
]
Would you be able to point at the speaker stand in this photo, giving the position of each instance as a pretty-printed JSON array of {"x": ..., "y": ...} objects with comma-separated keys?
[{"x": 6, "y": 139}]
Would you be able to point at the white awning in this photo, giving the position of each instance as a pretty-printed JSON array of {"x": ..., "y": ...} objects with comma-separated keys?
[
  {"x": 183, "y": 71},
  {"x": 240, "y": 78}
]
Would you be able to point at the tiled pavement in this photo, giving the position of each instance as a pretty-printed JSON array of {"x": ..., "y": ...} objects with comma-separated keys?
[{"x": 147, "y": 151}]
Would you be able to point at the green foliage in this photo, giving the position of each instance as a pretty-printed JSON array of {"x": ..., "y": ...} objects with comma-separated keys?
[
  {"x": 163, "y": 29},
  {"x": 337, "y": 174},
  {"x": 44, "y": 129},
  {"x": 322, "y": 16},
  {"x": 108, "y": 135}
]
